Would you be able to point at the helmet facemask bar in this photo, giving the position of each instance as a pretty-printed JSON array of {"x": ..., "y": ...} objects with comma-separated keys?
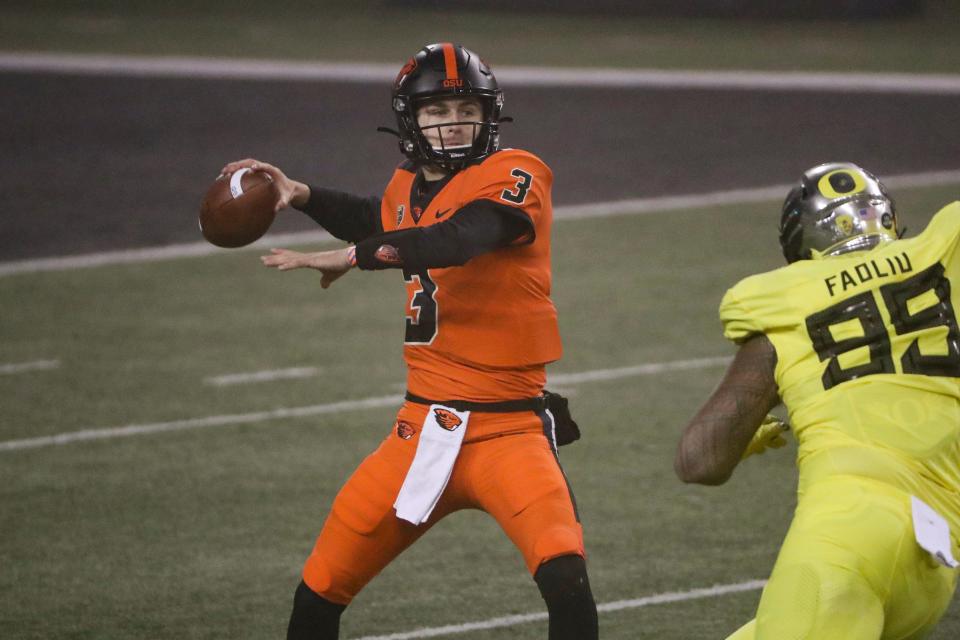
[
  {"x": 451, "y": 151},
  {"x": 415, "y": 142}
]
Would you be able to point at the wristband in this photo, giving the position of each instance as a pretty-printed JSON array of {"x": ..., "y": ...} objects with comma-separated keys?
[{"x": 352, "y": 255}]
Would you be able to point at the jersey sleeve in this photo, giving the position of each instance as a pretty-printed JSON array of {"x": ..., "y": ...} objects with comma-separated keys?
[
  {"x": 344, "y": 215},
  {"x": 945, "y": 225},
  {"x": 518, "y": 181},
  {"x": 739, "y": 323},
  {"x": 478, "y": 228}
]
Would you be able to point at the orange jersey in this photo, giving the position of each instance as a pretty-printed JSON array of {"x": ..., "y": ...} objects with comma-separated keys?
[{"x": 485, "y": 330}]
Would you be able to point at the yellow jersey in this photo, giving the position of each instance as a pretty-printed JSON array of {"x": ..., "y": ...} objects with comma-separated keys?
[{"x": 868, "y": 359}]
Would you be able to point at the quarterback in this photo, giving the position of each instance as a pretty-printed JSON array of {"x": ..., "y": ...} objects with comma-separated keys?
[
  {"x": 858, "y": 337},
  {"x": 467, "y": 225}
]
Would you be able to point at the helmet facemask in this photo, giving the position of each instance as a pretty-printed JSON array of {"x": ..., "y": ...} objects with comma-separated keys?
[{"x": 415, "y": 139}]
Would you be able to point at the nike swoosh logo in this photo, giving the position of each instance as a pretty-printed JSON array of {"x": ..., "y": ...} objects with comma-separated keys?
[{"x": 440, "y": 214}]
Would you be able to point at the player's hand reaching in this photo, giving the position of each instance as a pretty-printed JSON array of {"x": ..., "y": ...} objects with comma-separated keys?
[
  {"x": 292, "y": 192},
  {"x": 332, "y": 264},
  {"x": 768, "y": 436}
]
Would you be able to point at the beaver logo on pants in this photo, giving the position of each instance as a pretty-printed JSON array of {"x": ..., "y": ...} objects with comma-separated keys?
[
  {"x": 405, "y": 430},
  {"x": 447, "y": 419}
]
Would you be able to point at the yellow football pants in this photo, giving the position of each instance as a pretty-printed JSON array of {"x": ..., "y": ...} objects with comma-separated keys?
[{"x": 851, "y": 569}]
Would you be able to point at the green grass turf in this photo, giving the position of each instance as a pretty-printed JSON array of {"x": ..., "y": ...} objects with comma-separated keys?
[
  {"x": 382, "y": 32},
  {"x": 201, "y": 533}
]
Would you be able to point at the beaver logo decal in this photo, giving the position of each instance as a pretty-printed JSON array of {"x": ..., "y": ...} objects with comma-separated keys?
[
  {"x": 447, "y": 419},
  {"x": 405, "y": 430}
]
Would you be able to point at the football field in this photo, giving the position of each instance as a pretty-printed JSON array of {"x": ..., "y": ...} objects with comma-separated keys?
[
  {"x": 187, "y": 513},
  {"x": 175, "y": 420}
]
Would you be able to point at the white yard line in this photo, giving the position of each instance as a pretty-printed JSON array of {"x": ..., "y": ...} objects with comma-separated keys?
[
  {"x": 641, "y": 206},
  {"x": 35, "y": 365},
  {"x": 639, "y": 370},
  {"x": 261, "y": 376},
  {"x": 332, "y": 407},
  {"x": 509, "y": 621},
  {"x": 366, "y": 73},
  {"x": 152, "y": 254},
  {"x": 637, "y": 206},
  {"x": 198, "y": 423}
]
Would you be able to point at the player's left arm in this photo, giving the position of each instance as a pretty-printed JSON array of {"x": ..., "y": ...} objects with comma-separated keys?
[
  {"x": 478, "y": 227},
  {"x": 508, "y": 195},
  {"x": 715, "y": 439}
]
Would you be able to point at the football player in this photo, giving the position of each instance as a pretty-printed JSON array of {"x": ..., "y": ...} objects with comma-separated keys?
[
  {"x": 858, "y": 337},
  {"x": 467, "y": 225}
]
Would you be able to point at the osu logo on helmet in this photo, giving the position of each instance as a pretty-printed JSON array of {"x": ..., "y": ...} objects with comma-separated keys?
[
  {"x": 447, "y": 419},
  {"x": 407, "y": 69}
]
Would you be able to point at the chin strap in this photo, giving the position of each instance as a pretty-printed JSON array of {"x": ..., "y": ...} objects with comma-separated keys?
[{"x": 388, "y": 130}]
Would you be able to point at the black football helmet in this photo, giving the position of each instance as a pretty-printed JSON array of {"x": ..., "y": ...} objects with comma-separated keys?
[
  {"x": 838, "y": 207},
  {"x": 446, "y": 70}
]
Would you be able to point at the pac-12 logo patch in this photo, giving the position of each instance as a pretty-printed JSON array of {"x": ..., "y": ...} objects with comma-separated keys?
[
  {"x": 405, "y": 430},
  {"x": 447, "y": 419},
  {"x": 400, "y": 211}
]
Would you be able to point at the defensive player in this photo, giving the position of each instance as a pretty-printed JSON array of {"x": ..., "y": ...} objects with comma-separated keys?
[
  {"x": 859, "y": 338},
  {"x": 468, "y": 226}
]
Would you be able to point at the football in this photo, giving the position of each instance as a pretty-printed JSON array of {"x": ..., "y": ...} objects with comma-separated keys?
[{"x": 238, "y": 209}]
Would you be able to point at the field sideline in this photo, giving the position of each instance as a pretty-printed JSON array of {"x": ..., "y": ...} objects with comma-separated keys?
[
  {"x": 379, "y": 74},
  {"x": 634, "y": 206}
]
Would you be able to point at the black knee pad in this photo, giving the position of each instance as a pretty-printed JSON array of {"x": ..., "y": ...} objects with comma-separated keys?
[
  {"x": 313, "y": 617},
  {"x": 565, "y": 588},
  {"x": 563, "y": 578}
]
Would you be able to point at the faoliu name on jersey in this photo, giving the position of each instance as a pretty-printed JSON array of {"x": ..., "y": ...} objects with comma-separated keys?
[{"x": 866, "y": 271}]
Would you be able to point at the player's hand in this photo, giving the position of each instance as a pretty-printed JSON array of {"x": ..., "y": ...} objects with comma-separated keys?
[
  {"x": 292, "y": 193},
  {"x": 332, "y": 264},
  {"x": 768, "y": 436}
]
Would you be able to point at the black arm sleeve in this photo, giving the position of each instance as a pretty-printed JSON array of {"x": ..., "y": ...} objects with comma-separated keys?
[
  {"x": 479, "y": 227},
  {"x": 344, "y": 215}
]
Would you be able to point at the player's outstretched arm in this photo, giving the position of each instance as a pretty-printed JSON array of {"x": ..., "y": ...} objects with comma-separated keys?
[
  {"x": 716, "y": 438},
  {"x": 292, "y": 193},
  {"x": 332, "y": 264}
]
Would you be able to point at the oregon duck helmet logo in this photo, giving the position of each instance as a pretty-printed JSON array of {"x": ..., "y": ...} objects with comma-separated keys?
[{"x": 838, "y": 207}]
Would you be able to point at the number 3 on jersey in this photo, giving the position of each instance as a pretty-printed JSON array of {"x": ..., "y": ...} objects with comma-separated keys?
[
  {"x": 524, "y": 181},
  {"x": 421, "y": 318}
]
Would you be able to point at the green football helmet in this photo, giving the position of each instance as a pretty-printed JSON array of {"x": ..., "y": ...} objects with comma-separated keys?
[{"x": 837, "y": 208}]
